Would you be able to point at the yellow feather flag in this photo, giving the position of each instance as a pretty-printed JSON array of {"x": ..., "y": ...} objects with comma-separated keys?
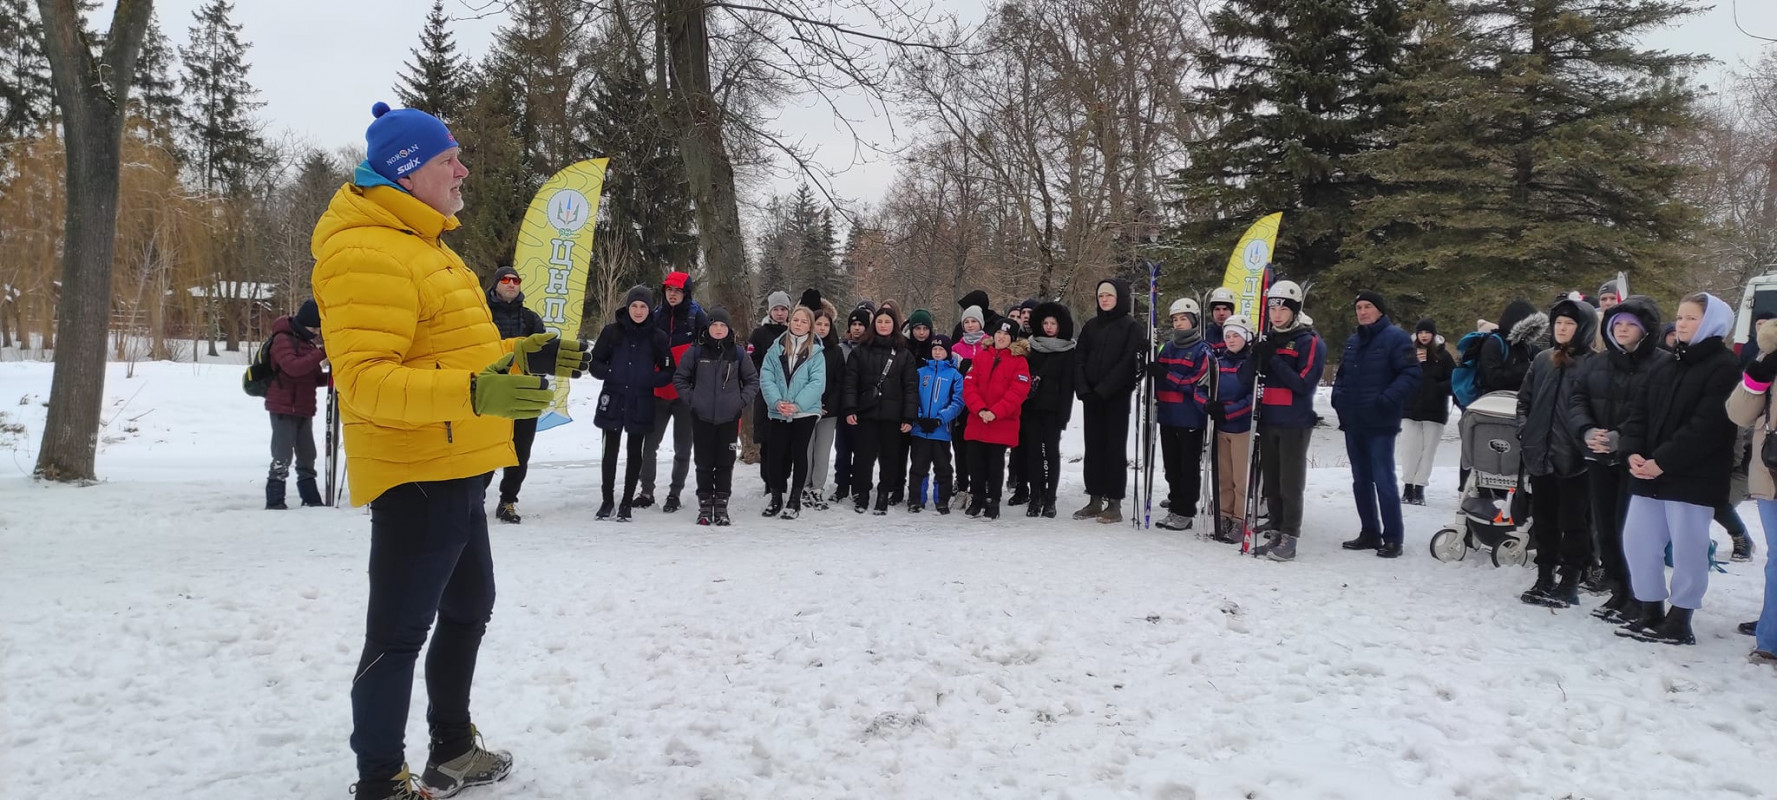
[
  {"x": 1246, "y": 266},
  {"x": 554, "y": 256}
]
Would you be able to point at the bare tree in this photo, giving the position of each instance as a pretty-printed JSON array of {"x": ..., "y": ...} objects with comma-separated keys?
[{"x": 92, "y": 90}]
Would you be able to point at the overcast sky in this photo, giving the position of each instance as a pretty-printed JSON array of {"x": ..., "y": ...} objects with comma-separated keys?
[{"x": 320, "y": 64}]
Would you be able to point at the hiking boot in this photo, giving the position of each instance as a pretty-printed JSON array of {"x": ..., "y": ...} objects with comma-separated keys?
[
  {"x": 839, "y": 493},
  {"x": 1674, "y": 629},
  {"x": 975, "y": 508},
  {"x": 776, "y": 505},
  {"x": 1389, "y": 550},
  {"x": 311, "y": 496},
  {"x": 791, "y": 511},
  {"x": 992, "y": 511},
  {"x": 671, "y": 505},
  {"x": 896, "y": 498},
  {"x": 914, "y": 507},
  {"x": 623, "y": 510},
  {"x": 1033, "y": 510},
  {"x": 643, "y": 500},
  {"x": 399, "y": 787},
  {"x": 961, "y": 500},
  {"x": 1762, "y": 657},
  {"x": 1284, "y": 549},
  {"x": 478, "y": 767},
  {"x": 1049, "y": 508},
  {"x": 1091, "y": 509},
  {"x": 1227, "y": 530},
  {"x": 861, "y": 502},
  {"x": 1175, "y": 521},
  {"x": 604, "y": 511},
  {"x": 508, "y": 513},
  {"x": 1612, "y": 609},
  {"x": 1366, "y": 541},
  {"x": 1538, "y": 593},
  {"x": 1743, "y": 547},
  {"x": 815, "y": 500},
  {"x": 1111, "y": 514},
  {"x": 942, "y": 508}
]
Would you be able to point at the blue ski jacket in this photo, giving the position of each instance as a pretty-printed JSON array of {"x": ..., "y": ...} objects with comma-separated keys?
[
  {"x": 940, "y": 398},
  {"x": 1180, "y": 396},
  {"x": 1234, "y": 392}
]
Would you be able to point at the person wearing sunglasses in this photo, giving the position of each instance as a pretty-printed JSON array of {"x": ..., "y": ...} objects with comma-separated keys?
[{"x": 506, "y": 302}]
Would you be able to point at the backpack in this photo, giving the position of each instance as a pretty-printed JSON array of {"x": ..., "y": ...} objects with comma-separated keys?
[
  {"x": 261, "y": 372},
  {"x": 1465, "y": 380}
]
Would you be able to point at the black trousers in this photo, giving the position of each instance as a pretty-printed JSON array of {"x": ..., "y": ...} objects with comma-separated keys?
[
  {"x": 1039, "y": 439},
  {"x": 1283, "y": 467},
  {"x": 761, "y": 418},
  {"x": 524, "y": 434},
  {"x": 1608, "y": 489},
  {"x": 877, "y": 446},
  {"x": 987, "y": 470},
  {"x": 713, "y": 445},
  {"x": 1015, "y": 465},
  {"x": 1107, "y": 447},
  {"x": 429, "y": 557},
  {"x": 959, "y": 446},
  {"x": 1181, "y": 454},
  {"x": 632, "y": 462},
  {"x": 789, "y": 456},
  {"x": 1558, "y": 521},
  {"x": 929, "y": 456}
]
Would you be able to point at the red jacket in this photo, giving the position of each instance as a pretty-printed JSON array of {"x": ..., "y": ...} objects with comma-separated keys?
[
  {"x": 298, "y": 362},
  {"x": 998, "y": 381}
]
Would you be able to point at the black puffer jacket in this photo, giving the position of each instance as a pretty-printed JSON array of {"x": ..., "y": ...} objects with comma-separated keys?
[
  {"x": 633, "y": 360},
  {"x": 1680, "y": 419},
  {"x": 718, "y": 379},
  {"x": 1550, "y": 447},
  {"x": 881, "y": 383},
  {"x": 1107, "y": 358},
  {"x": 1051, "y": 367},
  {"x": 1430, "y": 402},
  {"x": 1609, "y": 380},
  {"x": 835, "y": 361}
]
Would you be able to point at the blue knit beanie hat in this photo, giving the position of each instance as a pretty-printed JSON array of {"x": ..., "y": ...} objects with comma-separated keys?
[{"x": 401, "y": 141}]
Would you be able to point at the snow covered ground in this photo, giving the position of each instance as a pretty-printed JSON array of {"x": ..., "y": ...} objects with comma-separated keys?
[{"x": 161, "y": 636}]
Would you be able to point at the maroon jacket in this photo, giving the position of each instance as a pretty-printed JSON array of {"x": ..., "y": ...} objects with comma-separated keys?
[{"x": 298, "y": 362}]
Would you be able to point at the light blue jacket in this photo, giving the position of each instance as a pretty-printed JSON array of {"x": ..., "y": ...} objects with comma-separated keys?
[{"x": 804, "y": 388}]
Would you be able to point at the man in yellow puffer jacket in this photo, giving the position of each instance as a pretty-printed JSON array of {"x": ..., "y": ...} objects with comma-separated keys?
[{"x": 427, "y": 396}]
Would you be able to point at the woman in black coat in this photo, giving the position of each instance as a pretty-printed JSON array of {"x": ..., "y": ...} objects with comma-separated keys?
[
  {"x": 881, "y": 398},
  {"x": 1426, "y": 412},
  {"x": 1678, "y": 439},
  {"x": 633, "y": 359},
  {"x": 1596, "y": 412},
  {"x": 1049, "y": 405},
  {"x": 1554, "y": 458},
  {"x": 1106, "y": 369}
]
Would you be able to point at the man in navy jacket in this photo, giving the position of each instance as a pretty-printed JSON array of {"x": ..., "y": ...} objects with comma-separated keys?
[{"x": 1375, "y": 378}]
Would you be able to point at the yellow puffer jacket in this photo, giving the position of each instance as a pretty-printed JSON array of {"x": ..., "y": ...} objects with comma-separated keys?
[{"x": 406, "y": 325}]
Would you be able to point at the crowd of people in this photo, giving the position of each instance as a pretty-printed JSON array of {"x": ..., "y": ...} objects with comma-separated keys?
[{"x": 1626, "y": 426}]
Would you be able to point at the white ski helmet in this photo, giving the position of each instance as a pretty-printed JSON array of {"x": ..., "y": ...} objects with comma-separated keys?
[
  {"x": 1183, "y": 305},
  {"x": 1222, "y": 295},
  {"x": 1238, "y": 325},
  {"x": 1285, "y": 290}
]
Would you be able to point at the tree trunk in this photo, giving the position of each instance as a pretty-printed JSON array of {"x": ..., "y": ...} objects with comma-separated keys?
[
  {"x": 92, "y": 96},
  {"x": 698, "y": 119}
]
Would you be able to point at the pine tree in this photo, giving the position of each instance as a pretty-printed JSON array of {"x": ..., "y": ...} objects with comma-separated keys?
[
  {"x": 222, "y": 139},
  {"x": 1298, "y": 88},
  {"x": 26, "y": 100},
  {"x": 433, "y": 78},
  {"x": 501, "y": 181},
  {"x": 1531, "y": 158},
  {"x": 154, "y": 96}
]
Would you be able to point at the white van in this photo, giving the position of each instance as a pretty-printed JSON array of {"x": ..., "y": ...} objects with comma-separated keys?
[{"x": 1761, "y": 295}]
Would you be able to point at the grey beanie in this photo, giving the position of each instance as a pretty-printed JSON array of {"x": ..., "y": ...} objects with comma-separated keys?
[
  {"x": 639, "y": 292},
  {"x": 777, "y": 299},
  {"x": 974, "y": 313}
]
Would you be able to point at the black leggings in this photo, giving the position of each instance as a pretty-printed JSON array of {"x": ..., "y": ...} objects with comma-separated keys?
[
  {"x": 987, "y": 470},
  {"x": 713, "y": 445},
  {"x": 1039, "y": 436},
  {"x": 632, "y": 466},
  {"x": 877, "y": 443},
  {"x": 788, "y": 454}
]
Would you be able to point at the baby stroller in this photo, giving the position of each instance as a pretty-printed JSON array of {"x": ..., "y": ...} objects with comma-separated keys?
[{"x": 1494, "y": 513}]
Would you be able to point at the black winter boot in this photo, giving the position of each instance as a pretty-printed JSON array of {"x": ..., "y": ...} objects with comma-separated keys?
[
  {"x": 1612, "y": 609},
  {"x": 722, "y": 520},
  {"x": 1538, "y": 593},
  {"x": 772, "y": 508},
  {"x": 1675, "y": 629},
  {"x": 706, "y": 509},
  {"x": 605, "y": 507},
  {"x": 1650, "y": 617},
  {"x": 274, "y": 495},
  {"x": 310, "y": 495},
  {"x": 1566, "y": 593},
  {"x": 671, "y": 504}
]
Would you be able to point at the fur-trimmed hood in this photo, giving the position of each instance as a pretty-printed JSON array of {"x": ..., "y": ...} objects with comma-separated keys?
[{"x": 1532, "y": 330}]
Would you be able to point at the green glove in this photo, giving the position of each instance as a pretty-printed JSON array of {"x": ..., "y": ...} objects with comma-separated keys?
[
  {"x": 523, "y": 350},
  {"x": 494, "y": 392},
  {"x": 573, "y": 359}
]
